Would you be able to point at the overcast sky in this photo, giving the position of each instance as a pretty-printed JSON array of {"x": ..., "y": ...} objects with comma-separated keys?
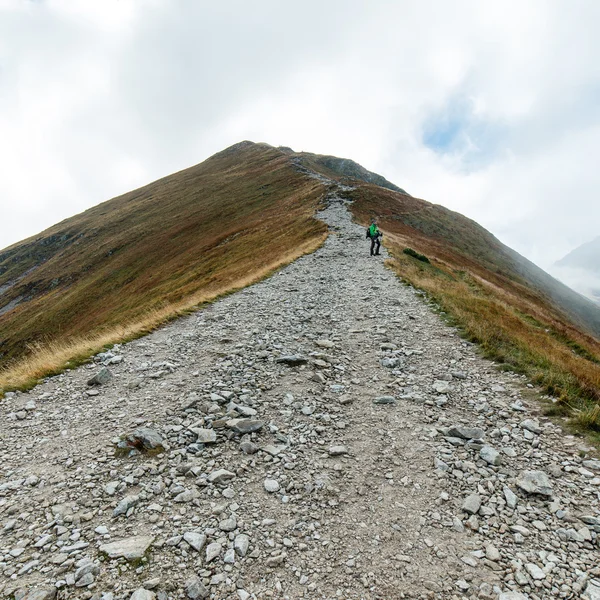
[{"x": 491, "y": 108}]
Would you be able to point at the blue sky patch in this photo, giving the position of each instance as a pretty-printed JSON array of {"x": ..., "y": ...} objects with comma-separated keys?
[{"x": 455, "y": 129}]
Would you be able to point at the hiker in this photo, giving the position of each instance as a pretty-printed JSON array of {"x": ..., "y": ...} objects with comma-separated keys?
[{"x": 375, "y": 235}]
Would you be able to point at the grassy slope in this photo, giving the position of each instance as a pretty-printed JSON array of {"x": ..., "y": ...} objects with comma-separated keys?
[
  {"x": 475, "y": 280},
  {"x": 129, "y": 263}
]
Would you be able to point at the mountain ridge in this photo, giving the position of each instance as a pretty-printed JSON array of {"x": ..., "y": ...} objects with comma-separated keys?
[{"x": 123, "y": 267}]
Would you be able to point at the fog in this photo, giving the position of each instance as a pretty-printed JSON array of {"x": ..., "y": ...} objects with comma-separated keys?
[{"x": 583, "y": 281}]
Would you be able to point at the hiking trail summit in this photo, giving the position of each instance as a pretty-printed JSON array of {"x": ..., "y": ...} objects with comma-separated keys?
[{"x": 321, "y": 434}]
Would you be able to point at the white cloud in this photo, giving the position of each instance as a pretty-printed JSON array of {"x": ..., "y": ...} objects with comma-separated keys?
[{"x": 99, "y": 97}]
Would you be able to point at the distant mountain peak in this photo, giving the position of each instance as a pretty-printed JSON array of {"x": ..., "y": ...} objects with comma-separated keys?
[{"x": 586, "y": 256}]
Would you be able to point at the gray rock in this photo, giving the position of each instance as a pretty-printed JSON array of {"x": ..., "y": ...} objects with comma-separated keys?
[
  {"x": 145, "y": 438},
  {"x": 88, "y": 569},
  {"x": 128, "y": 548},
  {"x": 592, "y": 464},
  {"x": 195, "y": 540},
  {"x": 535, "y": 572},
  {"x": 535, "y": 482},
  {"x": 465, "y": 433},
  {"x": 338, "y": 450},
  {"x": 390, "y": 362},
  {"x": 458, "y": 374},
  {"x": 103, "y": 376},
  {"x": 125, "y": 504},
  {"x": 221, "y": 476},
  {"x": 442, "y": 387},
  {"x": 325, "y": 344},
  {"x": 142, "y": 594},
  {"x": 492, "y": 553},
  {"x": 229, "y": 524},
  {"x": 195, "y": 590},
  {"x": 385, "y": 400},
  {"x": 273, "y": 450},
  {"x": 472, "y": 504},
  {"x": 212, "y": 551},
  {"x": 510, "y": 497},
  {"x": 248, "y": 447},
  {"x": 531, "y": 425},
  {"x": 490, "y": 456},
  {"x": 205, "y": 436},
  {"x": 271, "y": 485},
  {"x": 592, "y": 591},
  {"x": 187, "y": 496},
  {"x": 512, "y": 596},
  {"x": 229, "y": 557},
  {"x": 245, "y": 425},
  {"x": 241, "y": 544}
]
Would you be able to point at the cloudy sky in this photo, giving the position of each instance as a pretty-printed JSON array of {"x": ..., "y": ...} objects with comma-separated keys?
[{"x": 489, "y": 108}]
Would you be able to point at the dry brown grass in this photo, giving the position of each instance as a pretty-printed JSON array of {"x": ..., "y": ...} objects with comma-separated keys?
[{"x": 55, "y": 356}]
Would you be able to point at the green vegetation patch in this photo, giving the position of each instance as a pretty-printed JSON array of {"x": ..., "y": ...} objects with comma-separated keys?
[{"x": 416, "y": 255}]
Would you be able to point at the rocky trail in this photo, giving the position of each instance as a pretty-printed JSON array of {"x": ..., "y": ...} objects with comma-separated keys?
[{"x": 322, "y": 434}]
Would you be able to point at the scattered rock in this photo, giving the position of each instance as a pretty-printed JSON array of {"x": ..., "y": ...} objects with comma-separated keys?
[
  {"x": 195, "y": 590},
  {"x": 145, "y": 438},
  {"x": 221, "y": 476},
  {"x": 385, "y": 400},
  {"x": 143, "y": 594},
  {"x": 535, "y": 482},
  {"x": 102, "y": 377},
  {"x": 472, "y": 504},
  {"x": 465, "y": 433},
  {"x": 271, "y": 485},
  {"x": 128, "y": 548},
  {"x": 490, "y": 456},
  {"x": 195, "y": 540}
]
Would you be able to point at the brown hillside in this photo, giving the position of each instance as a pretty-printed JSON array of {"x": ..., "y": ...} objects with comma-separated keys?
[{"x": 178, "y": 241}]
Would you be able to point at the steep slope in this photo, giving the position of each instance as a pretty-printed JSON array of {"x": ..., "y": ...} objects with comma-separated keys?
[{"x": 175, "y": 242}]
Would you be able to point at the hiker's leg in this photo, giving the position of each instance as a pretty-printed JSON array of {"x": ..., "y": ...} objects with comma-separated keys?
[
  {"x": 378, "y": 246},
  {"x": 372, "y": 246}
]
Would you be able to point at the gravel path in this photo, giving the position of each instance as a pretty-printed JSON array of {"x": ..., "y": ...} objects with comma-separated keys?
[{"x": 320, "y": 435}]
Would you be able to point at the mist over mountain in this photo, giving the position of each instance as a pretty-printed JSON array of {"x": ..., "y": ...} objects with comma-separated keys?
[
  {"x": 586, "y": 256},
  {"x": 580, "y": 269}
]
